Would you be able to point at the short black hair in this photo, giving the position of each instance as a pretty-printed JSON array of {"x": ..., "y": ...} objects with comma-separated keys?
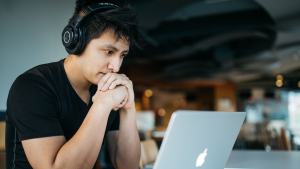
[{"x": 122, "y": 20}]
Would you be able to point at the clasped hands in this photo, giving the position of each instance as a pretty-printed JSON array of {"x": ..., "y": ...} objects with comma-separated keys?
[{"x": 117, "y": 90}]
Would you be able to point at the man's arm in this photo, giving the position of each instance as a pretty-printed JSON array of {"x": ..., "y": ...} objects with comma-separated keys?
[
  {"x": 124, "y": 145},
  {"x": 82, "y": 150}
]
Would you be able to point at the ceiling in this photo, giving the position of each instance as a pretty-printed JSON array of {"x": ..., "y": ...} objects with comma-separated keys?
[{"x": 215, "y": 40}]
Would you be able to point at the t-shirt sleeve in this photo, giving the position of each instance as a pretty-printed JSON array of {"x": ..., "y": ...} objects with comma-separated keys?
[
  {"x": 32, "y": 107},
  {"x": 114, "y": 120}
]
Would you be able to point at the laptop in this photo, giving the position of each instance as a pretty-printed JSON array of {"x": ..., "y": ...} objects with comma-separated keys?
[{"x": 199, "y": 140}]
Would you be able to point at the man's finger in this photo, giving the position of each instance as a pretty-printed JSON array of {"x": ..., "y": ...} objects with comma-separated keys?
[
  {"x": 103, "y": 80},
  {"x": 112, "y": 78},
  {"x": 116, "y": 83},
  {"x": 124, "y": 82}
]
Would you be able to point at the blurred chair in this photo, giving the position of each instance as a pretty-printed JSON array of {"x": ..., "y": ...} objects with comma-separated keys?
[
  {"x": 145, "y": 121},
  {"x": 145, "y": 135},
  {"x": 2, "y": 144},
  {"x": 148, "y": 134},
  {"x": 270, "y": 138},
  {"x": 149, "y": 152},
  {"x": 264, "y": 135},
  {"x": 279, "y": 140},
  {"x": 249, "y": 131},
  {"x": 141, "y": 163},
  {"x": 2, "y": 136},
  {"x": 285, "y": 140},
  {"x": 2, "y": 160}
]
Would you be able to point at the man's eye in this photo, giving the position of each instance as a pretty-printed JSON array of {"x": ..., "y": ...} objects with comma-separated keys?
[
  {"x": 123, "y": 55},
  {"x": 109, "y": 52}
]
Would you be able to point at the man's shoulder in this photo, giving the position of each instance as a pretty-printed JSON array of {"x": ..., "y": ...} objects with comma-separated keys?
[
  {"x": 41, "y": 75},
  {"x": 44, "y": 70},
  {"x": 40, "y": 82}
]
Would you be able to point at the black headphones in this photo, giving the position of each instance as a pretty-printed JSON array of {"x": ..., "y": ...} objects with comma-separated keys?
[{"x": 73, "y": 37}]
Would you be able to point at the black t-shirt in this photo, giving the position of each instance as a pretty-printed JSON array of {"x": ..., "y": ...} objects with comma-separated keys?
[{"x": 42, "y": 103}]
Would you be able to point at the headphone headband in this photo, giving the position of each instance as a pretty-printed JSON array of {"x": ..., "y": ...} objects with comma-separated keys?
[
  {"x": 72, "y": 36},
  {"x": 85, "y": 11}
]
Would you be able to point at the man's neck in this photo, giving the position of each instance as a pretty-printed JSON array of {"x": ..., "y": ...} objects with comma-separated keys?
[{"x": 75, "y": 75}]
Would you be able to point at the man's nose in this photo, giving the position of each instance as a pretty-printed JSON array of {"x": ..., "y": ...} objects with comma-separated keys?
[{"x": 115, "y": 64}]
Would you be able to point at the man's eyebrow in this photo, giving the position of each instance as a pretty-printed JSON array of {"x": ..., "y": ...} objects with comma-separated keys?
[{"x": 113, "y": 47}]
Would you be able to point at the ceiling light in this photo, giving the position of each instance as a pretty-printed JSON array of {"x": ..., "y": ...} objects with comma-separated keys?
[
  {"x": 148, "y": 93},
  {"x": 161, "y": 112},
  {"x": 279, "y": 77},
  {"x": 182, "y": 103},
  {"x": 279, "y": 83},
  {"x": 176, "y": 103}
]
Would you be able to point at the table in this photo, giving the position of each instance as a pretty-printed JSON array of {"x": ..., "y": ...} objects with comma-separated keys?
[{"x": 261, "y": 160}]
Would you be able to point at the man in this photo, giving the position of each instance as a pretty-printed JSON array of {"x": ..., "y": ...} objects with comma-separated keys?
[{"x": 57, "y": 116}]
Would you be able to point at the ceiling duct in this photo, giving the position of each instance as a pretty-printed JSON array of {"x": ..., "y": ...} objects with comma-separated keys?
[{"x": 240, "y": 24}]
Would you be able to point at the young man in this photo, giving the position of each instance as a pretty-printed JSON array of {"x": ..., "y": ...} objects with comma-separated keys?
[{"x": 59, "y": 114}]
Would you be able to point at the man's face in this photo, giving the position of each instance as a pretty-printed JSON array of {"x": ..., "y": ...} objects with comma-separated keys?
[{"x": 103, "y": 55}]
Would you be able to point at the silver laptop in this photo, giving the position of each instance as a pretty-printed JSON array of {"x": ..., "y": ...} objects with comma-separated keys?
[{"x": 199, "y": 140}]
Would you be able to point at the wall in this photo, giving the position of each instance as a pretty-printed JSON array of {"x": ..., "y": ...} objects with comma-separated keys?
[
  {"x": 30, "y": 34},
  {"x": 225, "y": 98}
]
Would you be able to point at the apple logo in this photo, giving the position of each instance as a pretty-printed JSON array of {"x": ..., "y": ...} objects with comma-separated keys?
[{"x": 201, "y": 158}]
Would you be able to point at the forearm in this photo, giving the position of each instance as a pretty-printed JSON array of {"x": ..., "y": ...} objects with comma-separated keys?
[
  {"x": 82, "y": 150},
  {"x": 128, "y": 149}
]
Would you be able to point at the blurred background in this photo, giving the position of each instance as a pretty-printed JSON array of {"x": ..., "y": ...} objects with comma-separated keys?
[{"x": 214, "y": 55}]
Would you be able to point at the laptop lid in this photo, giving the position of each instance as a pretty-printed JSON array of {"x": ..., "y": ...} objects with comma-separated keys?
[{"x": 199, "y": 139}]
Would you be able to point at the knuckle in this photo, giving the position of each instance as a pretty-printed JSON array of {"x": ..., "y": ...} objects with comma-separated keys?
[
  {"x": 114, "y": 83},
  {"x": 106, "y": 83},
  {"x": 121, "y": 80}
]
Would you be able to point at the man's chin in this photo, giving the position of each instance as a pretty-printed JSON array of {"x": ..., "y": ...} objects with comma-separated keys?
[
  {"x": 96, "y": 80},
  {"x": 94, "y": 83}
]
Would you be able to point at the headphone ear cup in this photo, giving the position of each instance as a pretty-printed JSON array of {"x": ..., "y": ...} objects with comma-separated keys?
[
  {"x": 82, "y": 41},
  {"x": 72, "y": 46},
  {"x": 67, "y": 37}
]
